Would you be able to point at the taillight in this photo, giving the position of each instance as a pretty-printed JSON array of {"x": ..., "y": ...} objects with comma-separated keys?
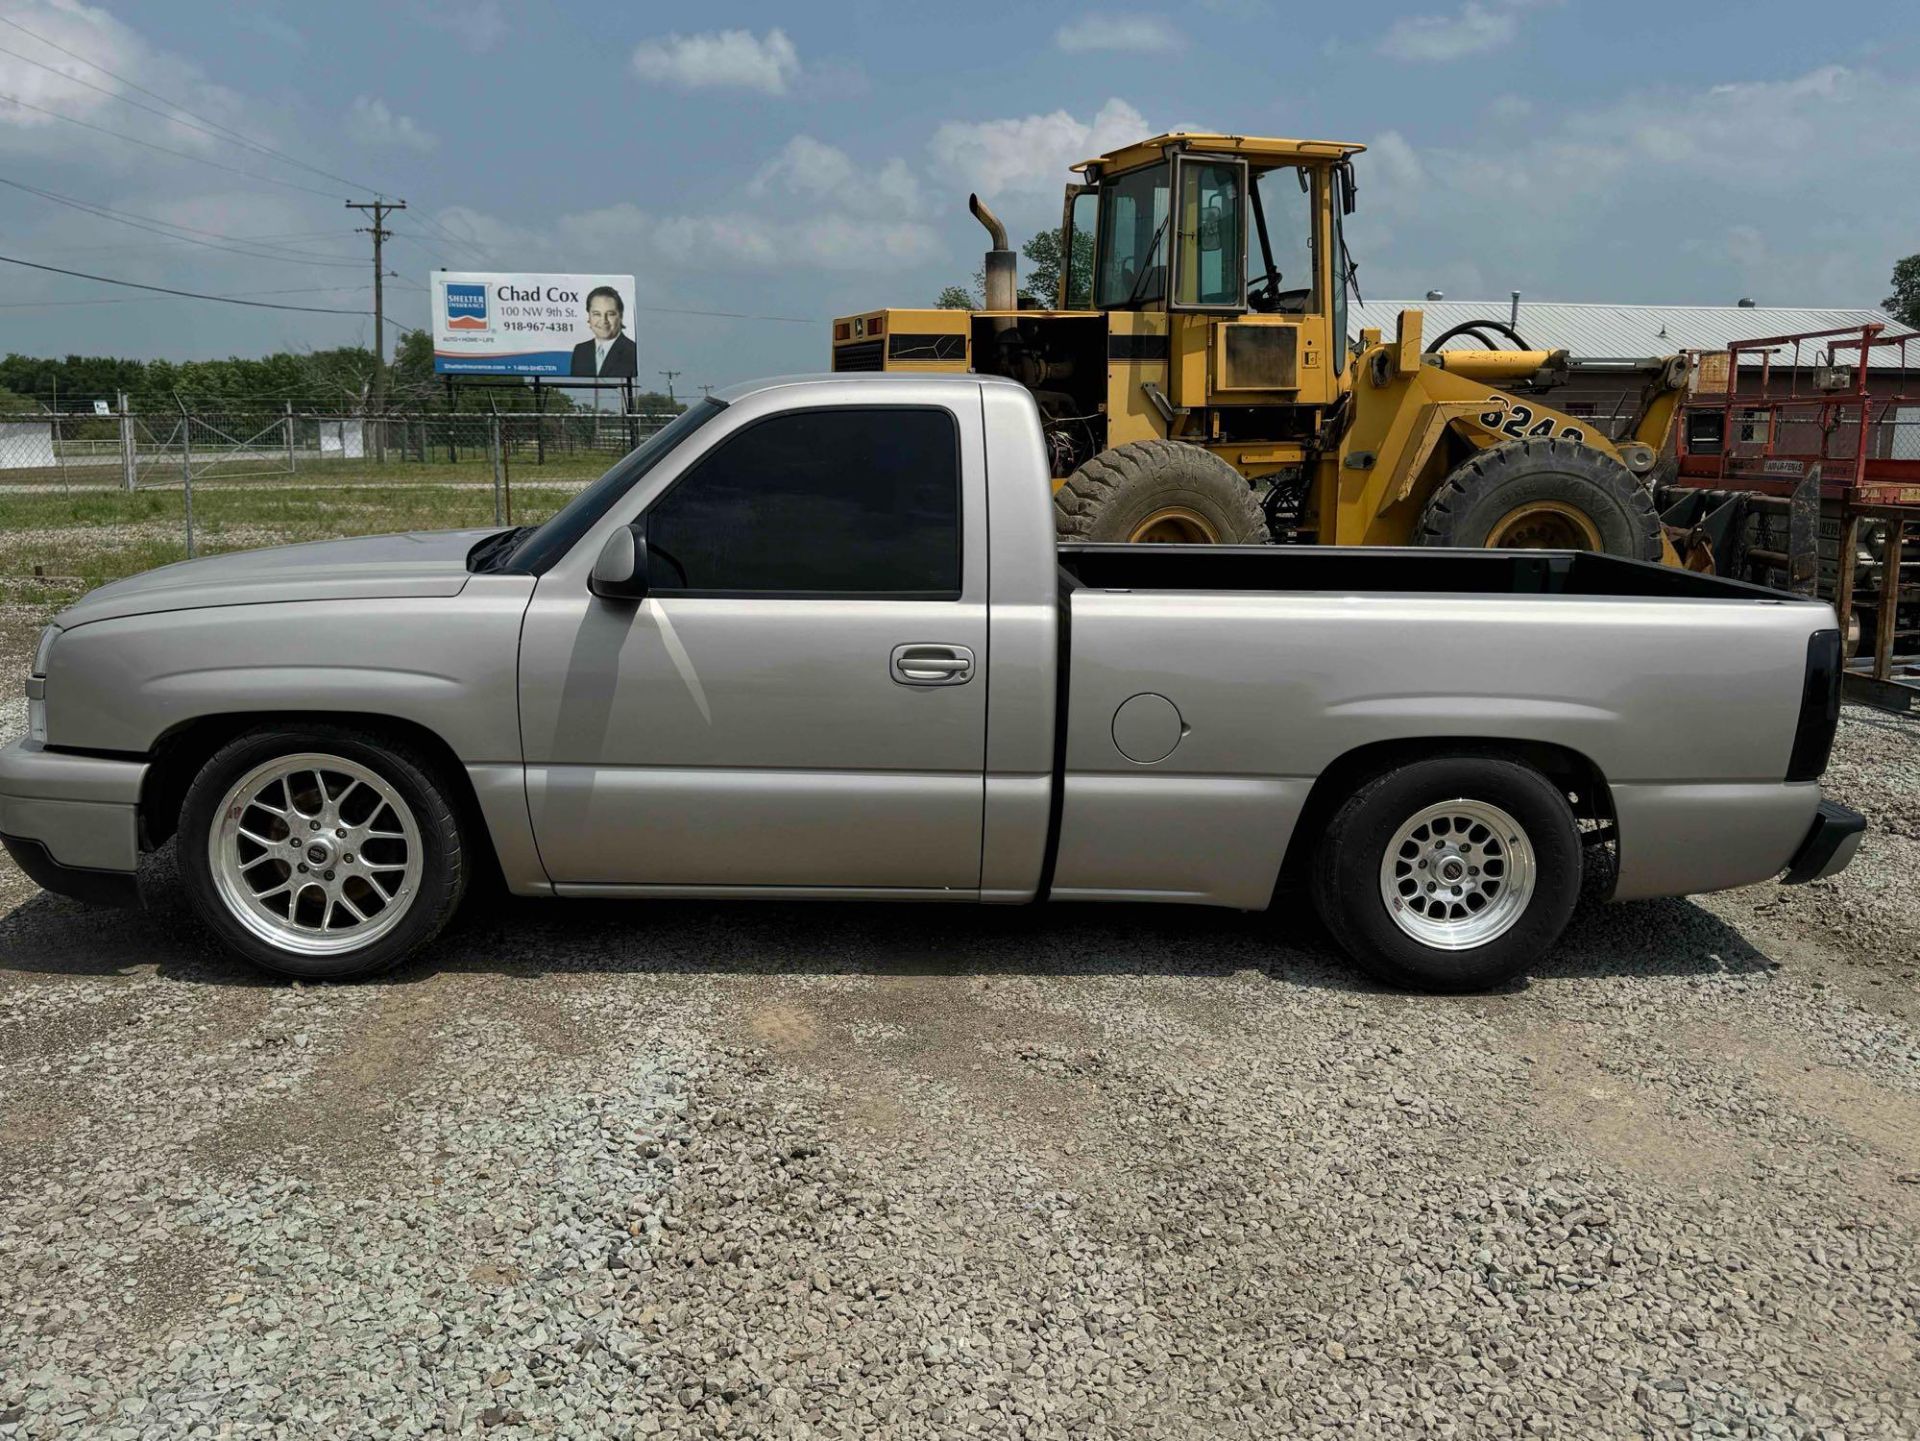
[{"x": 1819, "y": 708}]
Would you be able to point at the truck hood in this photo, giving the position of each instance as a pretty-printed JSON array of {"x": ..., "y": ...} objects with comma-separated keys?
[{"x": 374, "y": 567}]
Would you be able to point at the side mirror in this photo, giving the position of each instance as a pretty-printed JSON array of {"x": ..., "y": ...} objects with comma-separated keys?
[{"x": 620, "y": 574}]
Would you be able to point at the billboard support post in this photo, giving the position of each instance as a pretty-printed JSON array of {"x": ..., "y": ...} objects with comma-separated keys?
[{"x": 539, "y": 423}]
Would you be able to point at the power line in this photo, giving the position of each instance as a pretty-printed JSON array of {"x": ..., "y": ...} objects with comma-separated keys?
[
  {"x": 727, "y": 315},
  {"x": 226, "y": 130},
  {"x": 145, "y": 300},
  {"x": 151, "y": 247},
  {"x": 464, "y": 244},
  {"x": 171, "y": 225},
  {"x": 467, "y": 247},
  {"x": 412, "y": 239},
  {"x": 163, "y": 150},
  {"x": 188, "y": 294},
  {"x": 273, "y": 238},
  {"x": 141, "y": 223},
  {"x": 150, "y": 109}
]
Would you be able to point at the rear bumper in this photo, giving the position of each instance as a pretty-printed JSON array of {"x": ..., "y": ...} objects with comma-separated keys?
[
  {"x": 72, "y": 822},
  {"x": 1829, "y": 845}
]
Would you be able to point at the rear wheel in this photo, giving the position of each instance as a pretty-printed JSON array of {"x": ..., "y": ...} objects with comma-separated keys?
[
  {"x": 321, "y": 852},
  {"x": 1161, "y": 492},
  {"x": 1450, "y": 874},
  {"x": 1542, "y": 494}
]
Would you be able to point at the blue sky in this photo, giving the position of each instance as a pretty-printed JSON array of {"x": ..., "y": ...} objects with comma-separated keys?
[{"x": 803, "y": 161}]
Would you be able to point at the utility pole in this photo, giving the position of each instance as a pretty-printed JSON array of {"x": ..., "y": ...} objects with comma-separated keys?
[
  {"x": 670, "y": 374},
  {"x": 381, "y": 209}
]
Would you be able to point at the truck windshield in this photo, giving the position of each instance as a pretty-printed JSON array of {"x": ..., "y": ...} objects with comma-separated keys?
[
  {"x": 540, "y": 548},
  {"x": 1133, "y": 240}
]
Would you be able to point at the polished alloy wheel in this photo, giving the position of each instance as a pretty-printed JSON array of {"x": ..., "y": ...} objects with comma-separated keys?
[
  {"x": 1457, "y": 874},
  {"x": 315, "y": 854}
]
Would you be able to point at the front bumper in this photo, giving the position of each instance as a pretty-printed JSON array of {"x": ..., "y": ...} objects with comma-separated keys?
[
  {"x": 72, "y": 822},
  {"x": 1829, "y": 845}
]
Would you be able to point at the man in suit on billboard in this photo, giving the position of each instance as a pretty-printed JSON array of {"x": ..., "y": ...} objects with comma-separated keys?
[{"x": 611, "y": 354}]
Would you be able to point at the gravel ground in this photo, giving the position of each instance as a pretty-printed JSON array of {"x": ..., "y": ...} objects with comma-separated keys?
[{"x": 786, "y": 1172}]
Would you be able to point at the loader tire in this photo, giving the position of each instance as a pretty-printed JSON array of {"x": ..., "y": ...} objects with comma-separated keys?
[
  {"x": 1159, "y": 491},
  {"x": 1543, "y": 494}
]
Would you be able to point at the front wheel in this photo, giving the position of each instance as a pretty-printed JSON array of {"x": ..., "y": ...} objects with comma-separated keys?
[
  {"x": 321, "y": 852},
  {"x": 1450, "y": 874}
]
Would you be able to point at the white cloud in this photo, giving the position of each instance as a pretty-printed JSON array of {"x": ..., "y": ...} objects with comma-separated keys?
[
  {"x": 1473, "y": 31},
  {"x": 55, "y": 84},
  {"x": 371, "y": 122},
  {"x": 1147, "y": 34},
  {"x": 1395, "y": 171},
  {"x": 478, "y": 25},
  {"x": 721, "y": 59},
  {"x": 1564, "y": 213},
  {"x": 1031, "y": 152},
  {"x": 809, "y": 167},
  {"x": 618, "y": 237}
]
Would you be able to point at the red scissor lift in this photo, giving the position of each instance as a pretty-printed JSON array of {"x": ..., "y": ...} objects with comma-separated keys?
[{"x": 1812, "y": 484}]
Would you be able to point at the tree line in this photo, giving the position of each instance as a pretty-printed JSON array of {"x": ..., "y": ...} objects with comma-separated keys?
[{"x": 339, "y": 380}]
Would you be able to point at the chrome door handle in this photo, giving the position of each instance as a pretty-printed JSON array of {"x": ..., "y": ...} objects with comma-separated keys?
[{"x": 932, "y": 664}]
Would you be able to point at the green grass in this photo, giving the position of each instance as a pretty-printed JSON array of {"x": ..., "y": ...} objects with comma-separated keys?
[
  {"x": 86, "y": 539},
  {"x": 472, "y": 469}
]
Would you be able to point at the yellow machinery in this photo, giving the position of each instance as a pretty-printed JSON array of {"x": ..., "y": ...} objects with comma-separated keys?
[{"x": 1197, "y": 383}]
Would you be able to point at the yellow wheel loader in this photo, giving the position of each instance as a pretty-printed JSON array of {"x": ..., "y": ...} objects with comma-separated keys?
[{"x": 1197, "y": 383}]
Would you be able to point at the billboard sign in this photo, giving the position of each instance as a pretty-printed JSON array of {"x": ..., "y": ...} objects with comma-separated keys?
[{"x": 524, "y": 324}]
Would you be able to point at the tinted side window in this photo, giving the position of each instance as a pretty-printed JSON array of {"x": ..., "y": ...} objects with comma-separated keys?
[{"x": 834, "y": 502}]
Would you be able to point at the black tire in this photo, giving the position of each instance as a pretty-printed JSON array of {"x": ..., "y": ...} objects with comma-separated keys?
[
  {"x": 1117, "y": 492},
  {"x": 1491, "y": 485},
  {"x": 1347, "y": 885},
  {"x": 410, "y": 772}
]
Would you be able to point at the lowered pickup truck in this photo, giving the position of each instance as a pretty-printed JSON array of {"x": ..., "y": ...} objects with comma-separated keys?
[{"x": 815, "y": 639}]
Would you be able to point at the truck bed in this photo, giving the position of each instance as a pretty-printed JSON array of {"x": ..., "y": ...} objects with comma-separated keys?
[
  {"x": 1372, "y": 570},
  {"x": 1270, "y": 666}
]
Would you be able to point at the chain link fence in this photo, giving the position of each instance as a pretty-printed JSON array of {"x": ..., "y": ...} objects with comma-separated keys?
[{"x": 116, "y": 447}]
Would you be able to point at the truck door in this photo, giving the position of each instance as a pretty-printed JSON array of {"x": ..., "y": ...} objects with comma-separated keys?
[{"x": 800, "y": 701}]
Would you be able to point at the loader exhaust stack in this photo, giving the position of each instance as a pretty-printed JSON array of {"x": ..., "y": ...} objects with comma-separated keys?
[{"x": 1003, "y": 281}]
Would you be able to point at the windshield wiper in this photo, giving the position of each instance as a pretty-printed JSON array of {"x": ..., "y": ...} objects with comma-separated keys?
[
  {"x": 1153, "y": 248},
  {"x": 487, "y": 554}
]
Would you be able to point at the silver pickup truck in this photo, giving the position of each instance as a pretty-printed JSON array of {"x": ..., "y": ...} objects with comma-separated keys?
[{"x": 815, "y": 639}]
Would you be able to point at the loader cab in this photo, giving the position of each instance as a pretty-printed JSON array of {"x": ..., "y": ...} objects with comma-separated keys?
[{"x": 1218, "y": 254}]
